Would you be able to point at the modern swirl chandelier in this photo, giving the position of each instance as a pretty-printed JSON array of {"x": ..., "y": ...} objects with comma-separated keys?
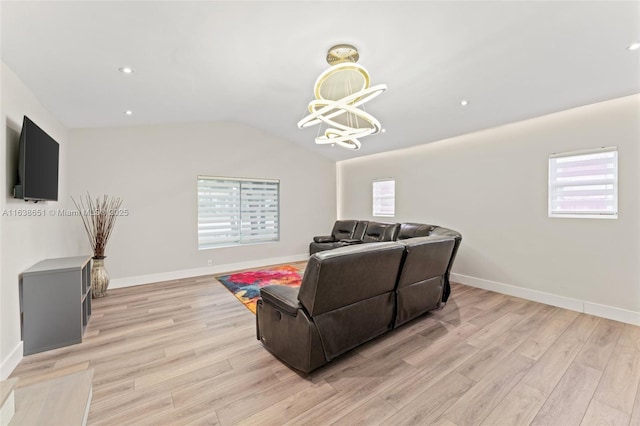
[{"x": 339, "y": 92}]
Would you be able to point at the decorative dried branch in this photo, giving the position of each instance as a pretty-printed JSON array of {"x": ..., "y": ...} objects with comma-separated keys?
[{"x": 98, "y": 217}]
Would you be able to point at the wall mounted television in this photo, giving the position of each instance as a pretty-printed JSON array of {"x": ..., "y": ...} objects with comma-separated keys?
[{"x": 38, "y": 162}]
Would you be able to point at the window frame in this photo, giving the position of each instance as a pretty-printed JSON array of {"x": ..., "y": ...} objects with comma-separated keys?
[
  {"x": 239, "y": 214},
  {"x": 373, "y": 197},
  {"x": 578, "y": 215}
]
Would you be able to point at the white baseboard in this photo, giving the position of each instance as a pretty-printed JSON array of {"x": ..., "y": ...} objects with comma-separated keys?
[
  {"x": 609, "y": 312},
  {"x": 11, "y": 361},
  {"x": 209, "y": 270}
]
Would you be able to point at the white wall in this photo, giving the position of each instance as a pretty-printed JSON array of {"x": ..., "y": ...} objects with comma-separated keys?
[
  {"x": 154, "y": 169},
  {"x": 24, "y": 241},
  {"x": 492, "y": 187}
]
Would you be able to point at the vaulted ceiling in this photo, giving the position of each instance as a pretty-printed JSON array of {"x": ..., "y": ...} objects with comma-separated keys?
[{"x": 256, "y": 62}]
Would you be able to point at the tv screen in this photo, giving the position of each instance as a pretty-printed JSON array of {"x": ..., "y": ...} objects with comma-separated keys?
[{"x": 37, "y": 164}]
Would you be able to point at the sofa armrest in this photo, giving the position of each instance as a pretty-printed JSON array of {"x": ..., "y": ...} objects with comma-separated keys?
[
  {"x": 351, "y": 241},
  {"x": 282, "y": 297},
  {"x": 324, "y": 239}
]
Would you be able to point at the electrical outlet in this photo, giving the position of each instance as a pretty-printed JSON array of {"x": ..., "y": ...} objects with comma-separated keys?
[{"x": 209, "y": 262}]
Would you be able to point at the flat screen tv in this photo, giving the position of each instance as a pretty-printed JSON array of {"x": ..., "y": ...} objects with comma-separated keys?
[{"x": 38, "y": 156}]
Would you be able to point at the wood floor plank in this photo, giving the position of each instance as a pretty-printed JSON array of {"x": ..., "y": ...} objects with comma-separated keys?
[
  {"x": 519, "y": 407},
  {"x": 546, "y": 373},
  {"x": 336, "y": 406},
  {"x": 374, "y": 412},
  {"x": 134, "y": 410},
  {"x": 543, "y": 338},
  {"x": 432, "y": 371},
  {"x": 630, "y": 336},
  {"x": 619, "y": 383},
  {"x": 257, "y": 401},
  {"x": 224, "y": 389},
  {"x": 184, "y": 352},
  {"x": 187, "y": 373},
  {"x": 291, "y": 407},
  {"x": 635, "y": 415},
  {"x": 490, "y": 332},
  {"x": 439, "y": 345},
  {"x": 601, "y": 414},
  {"x": 570, "y": 399},
  {"x": 482, "y": 363},
  {"x": 427, "y": 407},
  {"x": 423, "y": 325},
  {"x": 583, "y": 327},
  {"x": 453, "y": 314},
  {"x": 600, "y": 345},
  {"x": 477, "y": 403}
]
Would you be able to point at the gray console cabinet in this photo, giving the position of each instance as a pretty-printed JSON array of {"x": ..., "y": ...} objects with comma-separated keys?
[{"x": 55, "y": 303}]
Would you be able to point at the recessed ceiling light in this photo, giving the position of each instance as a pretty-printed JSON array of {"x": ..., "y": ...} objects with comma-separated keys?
[
  {"x": 125, "y": 70},
  {"x": 634, "y": 46},
  {"x": 128, "y": 112},
  {"x": 384, "y": 130},
  {"x": 464, "y": 102}
]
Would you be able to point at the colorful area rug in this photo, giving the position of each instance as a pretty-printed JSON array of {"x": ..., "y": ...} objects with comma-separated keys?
[{"x": 246, "y": 285}]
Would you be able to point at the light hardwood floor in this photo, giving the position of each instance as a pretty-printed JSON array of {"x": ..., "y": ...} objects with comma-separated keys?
[{"x": 185, "y": 352}]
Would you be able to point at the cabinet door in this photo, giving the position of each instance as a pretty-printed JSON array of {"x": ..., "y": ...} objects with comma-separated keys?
[{"x": 52, "y": 315}]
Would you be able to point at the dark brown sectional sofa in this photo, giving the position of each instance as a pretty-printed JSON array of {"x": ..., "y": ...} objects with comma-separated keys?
[{"x": 356, "y": 292}]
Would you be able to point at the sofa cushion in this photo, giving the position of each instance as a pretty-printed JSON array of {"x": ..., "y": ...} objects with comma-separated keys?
[
  {"x": 318, "y": 247},
  {"x": 324, "y": 239},
  {"x": 358, "y": 234},
  {"x": 346, "y": 275},
  {"x": 283, "y": 297},
  {"x": 426, "y": 257},
  {"x": 343, "y": 229},
  {"x": 377, "y": 232},
  {"x": 422, "y": 277},
  {"x": 412, "y": 230}
]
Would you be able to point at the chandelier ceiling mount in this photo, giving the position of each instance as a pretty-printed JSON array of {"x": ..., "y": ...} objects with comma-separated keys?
[{"x": 342, "y": 53}]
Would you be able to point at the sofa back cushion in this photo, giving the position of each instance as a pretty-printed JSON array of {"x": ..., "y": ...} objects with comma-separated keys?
[
  {"x": 422, "y": 278},
  {"x": 378, "y": 232},
  {"x": 361, "y": 228},
  {"x": 349, "y": 293},
  {"x": 346, "y": 275},
  {"x": 344, "y": 229},
  {"x": 412, "y": 230},
  {"x": 426, "y": 258}
]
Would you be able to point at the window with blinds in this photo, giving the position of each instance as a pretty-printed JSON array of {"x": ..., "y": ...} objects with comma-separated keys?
[
  {"x": 384, "y": 197},
  {"x": 584, "y": 183},
  {"x": 235, "y": 211}
]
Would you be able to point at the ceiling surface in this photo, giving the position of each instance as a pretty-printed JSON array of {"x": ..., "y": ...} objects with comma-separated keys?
[{"x": 256, "y": 62}]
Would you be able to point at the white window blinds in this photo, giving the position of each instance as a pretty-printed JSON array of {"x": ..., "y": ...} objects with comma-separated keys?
[
  {"x": 584, "y": 183},
  {"x": 384, "y": 197},
  {"x": 237, "y": 211}
]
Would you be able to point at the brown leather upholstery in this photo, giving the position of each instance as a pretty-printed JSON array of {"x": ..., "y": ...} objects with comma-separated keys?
[
  {"x": 446, "y": 232},
  {"x": 412, "y": 230},
  {"x": 351, "y": 285},
  {"x": 342, "y": 230},
  {"x": 292, "y": 338},
  {"x": 377, "y": 232},
  {"x": 421, "y": 280},
  {"x": 368, "y": 232},
  {"x": 349, "y": 296}
]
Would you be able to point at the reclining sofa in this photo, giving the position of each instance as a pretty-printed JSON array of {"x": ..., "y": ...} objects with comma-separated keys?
[
  {"x": 350, "y": 295},
  {"x": 351, "y": 232}
]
